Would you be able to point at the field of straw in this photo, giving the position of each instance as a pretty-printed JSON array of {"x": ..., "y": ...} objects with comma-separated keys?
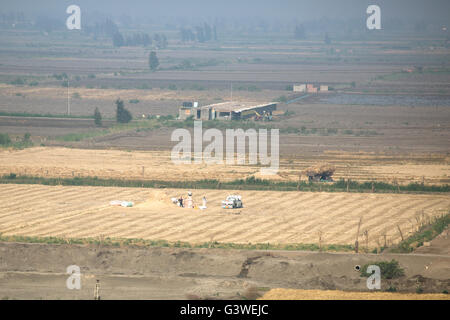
[
  {"x": 157, "y": 165},
  {"x": 293, "y": 294},
  {"x": 267, "y": 216}
]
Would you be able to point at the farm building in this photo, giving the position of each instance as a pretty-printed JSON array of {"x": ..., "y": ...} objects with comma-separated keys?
[
  {"x": 309, "y": 88},
  {"x": 299, "y": 88},
  {"x": 228, "y": 111}
]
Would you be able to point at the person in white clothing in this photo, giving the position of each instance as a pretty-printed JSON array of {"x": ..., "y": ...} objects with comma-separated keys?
[
  {"x": 189, "y": 201},
  {"x": 203, "y": 203}
]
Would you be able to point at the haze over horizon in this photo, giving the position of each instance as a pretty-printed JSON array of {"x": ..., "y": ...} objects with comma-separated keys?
[{"x": 431, "y": 11}]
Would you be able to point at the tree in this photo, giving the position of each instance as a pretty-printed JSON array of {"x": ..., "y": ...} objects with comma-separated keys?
[
  {"x": 97, "y": 117},
  {"x": 207, "y": 32},
  {"x": 118, "y": 40},
  {"x": 300, "y": 32},
  {"x": 4, "y": 139},
  {"x": 160, "y": 41},
  {"x": 200, "y": 34},
  {"x": 122, "y": 114},
  {"x": 153, "y": 61},
  {"x": 327, "y": 39},
  {"x": 163, "y": 42}
]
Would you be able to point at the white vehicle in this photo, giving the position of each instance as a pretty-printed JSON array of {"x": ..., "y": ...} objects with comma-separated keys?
[{"x": 232, "y": 202}]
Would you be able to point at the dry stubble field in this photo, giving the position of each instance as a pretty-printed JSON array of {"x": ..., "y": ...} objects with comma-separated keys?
[
  {"x": 69, "y": 162},
  {"x": 268, "y": 216}
]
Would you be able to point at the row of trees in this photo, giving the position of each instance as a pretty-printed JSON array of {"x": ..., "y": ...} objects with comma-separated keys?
[
  {"x": 202, "y": 34},
  {"x": 300, "y": 34},
  {"x": 122, "y": 114},
  {"x": 139, "y": 39}
]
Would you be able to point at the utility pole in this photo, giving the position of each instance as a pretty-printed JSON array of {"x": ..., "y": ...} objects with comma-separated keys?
[{"x": 357, "y": 236}]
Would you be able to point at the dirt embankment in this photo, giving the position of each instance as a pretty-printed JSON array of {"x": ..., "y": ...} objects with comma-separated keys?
[{"x": 37, "y": 271}]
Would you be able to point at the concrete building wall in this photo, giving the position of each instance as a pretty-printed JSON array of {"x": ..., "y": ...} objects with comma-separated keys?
[
  {"x": 299, "y": 88},
  {"x": 185, "y": 113},
  {"x": 224, "y": 113},
  {"x": 205, "y": 114}
]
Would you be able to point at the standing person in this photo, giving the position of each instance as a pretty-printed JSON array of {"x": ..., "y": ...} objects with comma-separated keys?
[
  {"x": 204, "y": 201},
  {"x": 180, "y": 201},
  {"x": 190, "y": 202},
  {"x": 97, "y": 290},
  {"x": 203, "y": 207}
]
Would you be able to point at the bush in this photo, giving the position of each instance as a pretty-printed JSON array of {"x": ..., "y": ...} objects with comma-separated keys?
[
  {"x": 60, "y": 76},
  {"x": 134, "y": 101},
  {"x": 122, "y": 114},
  {"x": 18, "y": 82},
  {"x": 11, "y": 176},
  {"x": 332, "y": 131},
  {"x": 389, "y": 269},
  {"x": 426, "y": 233},
  {"x": 281, "y": 99},
  {"x": 153, "y": 61},
  {"x": 4, "y": 139},
  {"x": 253, "y": 88},
  {"x": 288, "y": 113},
  {"x": 391, "y": 289},
  {"x": 26, "y": 137},
  {"x": 97, "y": 117}
]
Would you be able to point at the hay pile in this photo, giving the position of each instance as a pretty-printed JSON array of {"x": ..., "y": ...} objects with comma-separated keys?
[{"x": 323, "y": 170}]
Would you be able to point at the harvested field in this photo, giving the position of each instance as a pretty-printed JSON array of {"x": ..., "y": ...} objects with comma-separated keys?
[
  {"x": 68, "y": 162},
  {"x": 274, "y": 217},
  {"x": 293, "y": 294}
]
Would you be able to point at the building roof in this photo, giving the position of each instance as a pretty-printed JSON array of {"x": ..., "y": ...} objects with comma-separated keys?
[{"x": 236, "y": 106}]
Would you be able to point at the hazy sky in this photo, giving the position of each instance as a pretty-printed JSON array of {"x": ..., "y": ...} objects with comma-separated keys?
[{"x": 301, "y": 9}]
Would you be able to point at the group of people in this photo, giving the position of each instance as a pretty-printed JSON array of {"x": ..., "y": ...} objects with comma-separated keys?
[{"x": 189, "y": 202}]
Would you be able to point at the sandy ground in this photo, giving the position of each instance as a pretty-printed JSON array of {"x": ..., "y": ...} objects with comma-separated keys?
[
  {"x": 157, "y": 165},
  {"x": 267, "y": 216},
  {"x": 38, "y": 271}
]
